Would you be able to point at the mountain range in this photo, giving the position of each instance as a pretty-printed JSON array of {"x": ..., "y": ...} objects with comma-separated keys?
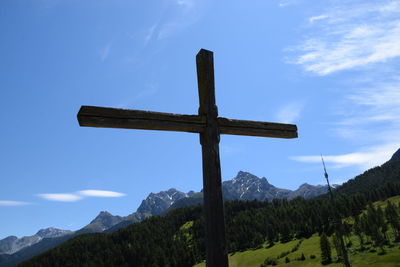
[
  {"x": 12, "y": 244},
  {"x": 245, "y": 186}
]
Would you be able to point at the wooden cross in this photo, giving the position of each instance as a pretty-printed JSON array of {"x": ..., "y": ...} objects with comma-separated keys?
[{"x": 209, "y": 126}]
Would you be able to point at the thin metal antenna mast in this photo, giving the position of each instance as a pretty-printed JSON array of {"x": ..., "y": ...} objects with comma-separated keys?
[
  {"x": 337, "y": 222},
  {"x": 327, "y": 179}
]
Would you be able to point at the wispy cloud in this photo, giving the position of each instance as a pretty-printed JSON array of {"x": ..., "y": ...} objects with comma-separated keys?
[
  {"x": 104, "y": 52},
  {"x": 186, "y": 3},
  {"x": 61, "y": 197},
  {"x": 100, "y": 193},
  {"x": 285, "y": 3},
  {"x": 72, "y": 197},
  {"x": 319, "y": 17},
  {"x": 368, "y": 115},
  {"x": 290, "y": 113},
  {"x": 371, "y": 109},
  {"x": 13, "y": 203},
  {"x": 364, "y": 159},
  {"x": 363, "y": 36},
  {"x": 150, "y": 90},
  {"x": 351, "y": 35},
  {"x": 177, "y": 16},
  {"x": 150, "y": 33}
]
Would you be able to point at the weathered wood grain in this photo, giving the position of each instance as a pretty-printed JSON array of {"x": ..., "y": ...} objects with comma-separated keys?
[
  {"x": 91, "y": 116},
  {"x": 216, "y": 252},
  {"x": 257, "y": 128}
]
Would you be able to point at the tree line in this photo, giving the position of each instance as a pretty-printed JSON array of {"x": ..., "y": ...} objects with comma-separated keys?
[{"x": 177, "y": 238}]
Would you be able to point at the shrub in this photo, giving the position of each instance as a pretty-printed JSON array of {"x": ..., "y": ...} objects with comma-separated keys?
[
  {"x": 302, "y": 258},
  {"x": 382, "y": 253},
  {"x": 270, "y": 261},
  {"x": 283, "y": 254}
]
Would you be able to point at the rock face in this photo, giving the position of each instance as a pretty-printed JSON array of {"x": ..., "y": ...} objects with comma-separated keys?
[
  {"x": 246, "y": 186},
  {"x": 52, "y": 232},
  {"x": 12, "y": 244},
  {"x": 102, "y": 222},
  {"x": 155, "y": 204},
  {"x": 308, "y": 191}
]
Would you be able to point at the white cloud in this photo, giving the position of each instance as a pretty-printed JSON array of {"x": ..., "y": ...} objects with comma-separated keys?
[
  {"x": 61, "y": 197},
  {"x": 13, "y": 203},
  {"x": 289, "y": 113},
  {"x": 363, "y": 36},
  {"x": 369, "y": 116},
  {"x": 315, "y": 18},
  {"x": 285, "y": 3},
  {"x": 370, "y": 111},
  {"x": 72, "y": 197},
  {"x": 364, "y": 159},
  {"x": 351, "y": 35},
  {"x": 100, "y": 193}
]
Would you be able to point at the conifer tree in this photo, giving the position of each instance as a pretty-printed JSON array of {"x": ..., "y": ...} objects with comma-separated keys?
[
  {"x": 393, "y": 219},
  {"x": 338, "y": 249},
  {"x": 325, "y": 249},
  {"x": 358, "y": 230}
]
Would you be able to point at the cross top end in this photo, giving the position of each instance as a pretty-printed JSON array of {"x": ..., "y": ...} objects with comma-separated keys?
[{"x": 205, "y": 52}]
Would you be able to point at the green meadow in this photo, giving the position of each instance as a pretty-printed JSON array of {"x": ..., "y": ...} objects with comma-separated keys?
[{"x": 312, "y": 253}]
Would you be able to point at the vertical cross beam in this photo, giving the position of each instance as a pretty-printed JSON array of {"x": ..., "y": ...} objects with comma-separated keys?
[{"x": 209, "y": 139}]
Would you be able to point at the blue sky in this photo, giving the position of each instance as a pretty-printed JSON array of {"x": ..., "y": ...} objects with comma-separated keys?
[{"x": 327, "y": 66}]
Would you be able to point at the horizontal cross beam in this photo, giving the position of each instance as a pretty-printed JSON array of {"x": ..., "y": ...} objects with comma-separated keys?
[{"x": 91, "y": 116}]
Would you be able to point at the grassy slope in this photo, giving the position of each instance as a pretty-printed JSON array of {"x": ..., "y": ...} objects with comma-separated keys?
[
  {"x": 253, "y": 258},
  {"x": 382, "y": 204}
]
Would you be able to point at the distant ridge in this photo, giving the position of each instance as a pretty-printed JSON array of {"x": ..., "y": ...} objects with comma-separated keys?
[
  {"x": 247, "y": 186},
  {"x": 12, "y": 244},
  {"x": 375, "y": 184},
  {"x": 396, "y": 155},
  {"x": 244, "y": 186}
]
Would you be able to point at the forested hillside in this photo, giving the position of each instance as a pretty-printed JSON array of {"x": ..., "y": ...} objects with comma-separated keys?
[
  {"x": 373, "y": 178},
  {"x": 177, "y": 238}
]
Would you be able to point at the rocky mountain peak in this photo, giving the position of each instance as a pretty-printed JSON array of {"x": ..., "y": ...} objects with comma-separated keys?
[
  {"x": 102, "y": 222},
  {"x": 104, "y": 214},
  {"x": 103, "y": 217},
  {"x": 248, "y": 178},
  {"x": 156, "y": 203},
  {"x": 308, "y": 191},
  {"x": 52, "y": 232},
  {"x": 247, "y": 186},
  {"x": 12, "y": 244},
  {"x": 10, "y": 238}
]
